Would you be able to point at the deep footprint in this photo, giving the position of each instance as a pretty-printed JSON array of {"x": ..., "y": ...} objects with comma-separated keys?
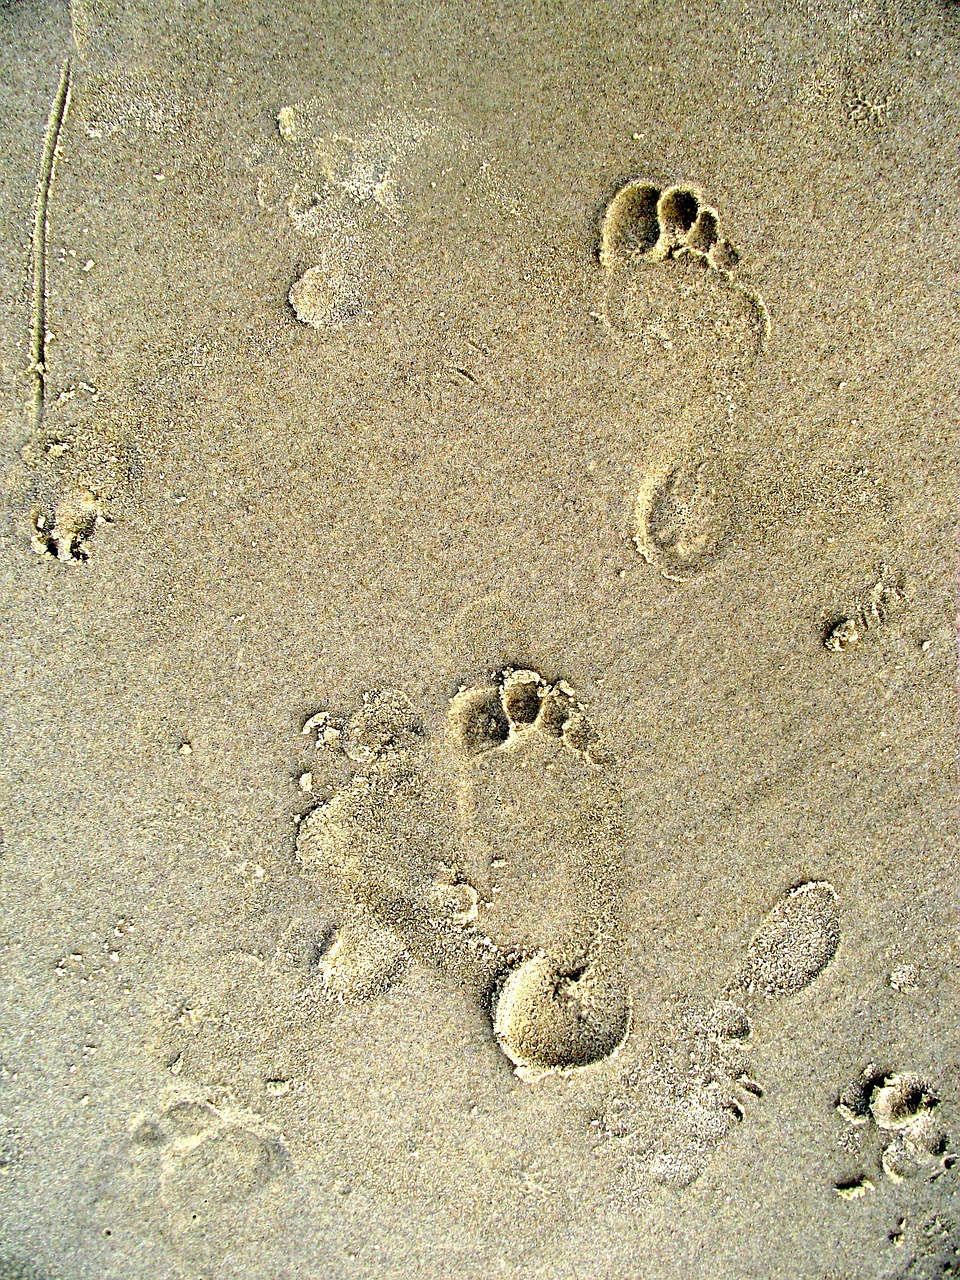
[
  {"x": 542, "y": 826},
  {"x": 671, "y": 1112},
  {"x": 671, "y": 287}
]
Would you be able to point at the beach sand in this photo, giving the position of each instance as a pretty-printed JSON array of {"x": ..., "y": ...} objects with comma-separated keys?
[{"x": 550, "y": 408}]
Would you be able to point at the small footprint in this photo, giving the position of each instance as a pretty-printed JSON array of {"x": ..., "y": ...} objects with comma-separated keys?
[
  {"x": 875, "y": 611},
  {"x": 685, "y": 516},
  {"x": 383, "y": 846},
  {"x": 206, "y": 1159},
  {"x": 69, "y": 480},
  {"x": 673, "y": 1110}
]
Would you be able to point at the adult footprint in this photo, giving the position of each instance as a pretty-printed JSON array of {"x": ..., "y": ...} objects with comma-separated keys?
[
  {"x": 670, "y": 284},
  {"x": 383, "y": 847},
  {"x": 671, "y": 297},
  {"x": 541, "y": 825},
  {"x": 673, "y": 1109}
]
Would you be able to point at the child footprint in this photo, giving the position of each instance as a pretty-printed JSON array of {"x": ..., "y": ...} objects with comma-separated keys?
[
  {"x": 543, "y": 833},
  {"x": 672, "y": 299},
  {"x": 672, "y": 1110}
]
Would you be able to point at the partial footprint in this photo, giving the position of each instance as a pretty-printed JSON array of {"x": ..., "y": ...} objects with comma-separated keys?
[
  {"x": 207, "y": 1159},
  {"x": 671, "y": 1111},
  {"x": 557, "y": 1012},
  {"x": 68, "y": 483},
  {"x": 670, "y": 287},
  {"x": 333, "y": 186},
  {"x": 903, "y": 1106},
  {"x": 541, "y": 819},
  {"x": 685, "y": 516},
  {"x": 384, "y": 846},
  {"x": 544, "y": 843}
]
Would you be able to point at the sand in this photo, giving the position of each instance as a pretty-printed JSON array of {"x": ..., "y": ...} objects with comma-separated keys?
[{"x": 550, "y": 409}]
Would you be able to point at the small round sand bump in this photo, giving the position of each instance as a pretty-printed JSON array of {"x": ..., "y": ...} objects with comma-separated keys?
[
  {"x": 313, "y": 298},
  {"x": 325, "y": 296}
]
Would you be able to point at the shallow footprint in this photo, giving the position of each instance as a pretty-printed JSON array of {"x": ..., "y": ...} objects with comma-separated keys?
[
  {"x": 685, "y": 516},
  {"x": 542, "y": 825},
  {"x": 382, "y": 846},
  {"x": 208, "y": 1160},
  {"x": 795, "y": 942},
  {"x": 673, "y": 1109}
]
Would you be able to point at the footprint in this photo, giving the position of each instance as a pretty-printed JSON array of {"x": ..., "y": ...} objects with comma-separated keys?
[
  {"x": 65, "y": 531},
  {"x": 70, "y": 478},
  {"x": 670, "y": 285},
  {"x": 672, "y": 300},
  {"x": 383, "y": 847},
  {"x": 931, "y": 1247},
  {"x": 544, "y": 839},
  {"x": 509, "y": 878},
  {"x": 672, "y": 1110},
  {"x": 875, "y": 611},
  {"x": 685, "y": 516},
  {"x": 207, "y": 1159},
  {"x": 334, "y": 187},
  {"x": 796, "y": 941}
]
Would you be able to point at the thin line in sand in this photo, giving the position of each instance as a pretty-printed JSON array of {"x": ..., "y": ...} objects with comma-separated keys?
[{"x": 38, "y": 307}]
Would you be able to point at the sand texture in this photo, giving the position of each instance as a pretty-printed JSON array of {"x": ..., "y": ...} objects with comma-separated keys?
[{"x": 478, "y": 793}]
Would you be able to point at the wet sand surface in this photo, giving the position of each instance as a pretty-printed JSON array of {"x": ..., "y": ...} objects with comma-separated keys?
[{"x": 550, "y": 409}]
